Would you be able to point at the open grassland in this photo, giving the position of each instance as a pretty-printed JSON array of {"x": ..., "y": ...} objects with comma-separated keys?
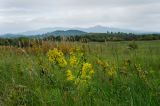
[{"x": 81, "y": 74}]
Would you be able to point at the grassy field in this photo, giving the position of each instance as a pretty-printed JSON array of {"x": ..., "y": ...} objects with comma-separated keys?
[{"x": 81, "y": 74}]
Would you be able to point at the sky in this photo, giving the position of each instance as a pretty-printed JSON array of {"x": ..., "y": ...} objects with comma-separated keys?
[{"x": 23, "y": 15}]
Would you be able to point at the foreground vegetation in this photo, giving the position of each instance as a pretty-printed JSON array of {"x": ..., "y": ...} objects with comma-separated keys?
[{"x": 51, "y": 73}]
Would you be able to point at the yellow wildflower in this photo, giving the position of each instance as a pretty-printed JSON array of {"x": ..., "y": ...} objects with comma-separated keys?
[
  {"x": 103, "y": 64},
  {"x": 73, "y": 60},
  {"x": 87, "y": 70},
  {"x": 92, "y": 72},
  {"x": 62, "y": 62},
  {"x": 57, "y": 56},
  {"x": 111, "y": 72},
  {"x": 70, "y": 76}
]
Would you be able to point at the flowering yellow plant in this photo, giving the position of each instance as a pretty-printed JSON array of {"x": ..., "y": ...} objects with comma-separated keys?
[
  {"x": 87, "y": 71},
  {"x": 57, "y": 56},
  {"x": 111, "y": 72},
  {"x": 103, "y": 64},
  {"x": 70, "y": 76},
  {"x": 84, "y": 71},
  {"x": 73, "y": 61}
]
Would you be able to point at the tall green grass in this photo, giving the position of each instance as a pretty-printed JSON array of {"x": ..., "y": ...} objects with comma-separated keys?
[{"x": 29, "y": 79}]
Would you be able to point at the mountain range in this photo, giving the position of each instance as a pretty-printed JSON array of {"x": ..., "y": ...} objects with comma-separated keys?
[
  {"x": 94, "y": 29},
  {"x": 66, "y": 31}
]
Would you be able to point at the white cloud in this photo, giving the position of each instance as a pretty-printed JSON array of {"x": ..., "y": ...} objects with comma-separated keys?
[{"x": 22, "y": 15}]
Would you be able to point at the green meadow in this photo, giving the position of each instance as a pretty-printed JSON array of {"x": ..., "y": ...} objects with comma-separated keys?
[{"x": 125, "y": 73}]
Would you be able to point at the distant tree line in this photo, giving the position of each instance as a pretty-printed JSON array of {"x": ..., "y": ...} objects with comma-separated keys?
[
  {"x": 102, "y": 37},
  {"x": 89, "y": 37}
]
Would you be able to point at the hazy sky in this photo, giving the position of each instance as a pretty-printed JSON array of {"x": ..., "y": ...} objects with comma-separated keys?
[{"x": 23, "y": 15}]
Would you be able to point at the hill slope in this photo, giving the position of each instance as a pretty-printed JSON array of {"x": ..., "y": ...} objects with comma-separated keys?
[{"x": 65, "y": 33}]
